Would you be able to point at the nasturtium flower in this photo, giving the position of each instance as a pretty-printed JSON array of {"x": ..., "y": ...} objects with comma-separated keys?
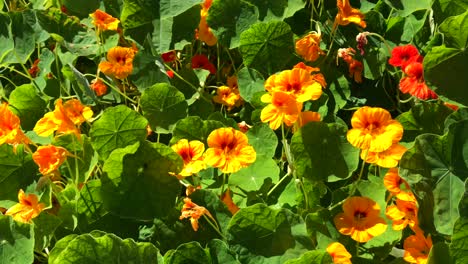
[
  {"x": 414, "y": 84},
  {"x": 169, "y": 56},
  {"x": 191, "y": 153},
  {"x": 229, "y": 150},
  {"x": 98, "y": 86},
  {"x": 309, "y": 46},
  {"x": 297, "y": 82},
  {"x": 10, "y": 129},
  {"x": 34, "y": 70},
  {"x": 65, "y": 118},
  {"x": 227, "y": 96},
  {"x": 119, "y": 62},
  {"x": 202, "y": 62},
  {"x": 404, "y": 55},
  {"x": 194, "y": 212},
  {"x": 388, "y": 158},
  {"x": 417, "y": 248},
  {"x": 355, "y": 67},
  {"x": 204, "y": 32},
  {"x": 27, "y": 208},
  {"x": 227, "y": 200},
  {"x": 315, "y": 73},
  {"x": 403, "y": 213},
  {"x": 282, "y": 107},
  {"x": 49, "y": 158},
  {"x": 397, "y": 186},
  {"x": 306, "y": 117},
  {"x": 360, "y": 219},
  {"x": 339, "y": 253},
  {"x": 374, "y": 129},
  {"x": 104, "y": 21},
  {"x": 347, "y": 14}
]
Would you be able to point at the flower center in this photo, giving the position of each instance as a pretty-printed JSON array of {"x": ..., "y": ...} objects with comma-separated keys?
[
  {"x": 358, "y": 216},
  {"x": 293, "y": 87}
]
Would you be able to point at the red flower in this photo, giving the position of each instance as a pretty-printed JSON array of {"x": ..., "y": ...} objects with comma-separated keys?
[
  {"x": 170, "y": 74},
  {"x": 414, "y": 83},
  {"x": 404, "y": 55},
  {"x": 169, "y": 56},
  {"x": 34, "y": 69},
  {"x": 201, "y": 61}
]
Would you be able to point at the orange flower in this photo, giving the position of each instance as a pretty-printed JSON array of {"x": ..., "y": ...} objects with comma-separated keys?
[
  {"x": 414, "y": 83},
  {"x": 227, "y": 200},
  {"x": 374, "y": 129},
  {"x": 98, "y": 87},
  {"x": 64, "y": 119},
  {"x": 314, "y": 71},
  {"x": 10, "y": 130},
  {"x": 403, "y": 213},
  {"x": 282, "y": 108},
  {"x": 204, "y": 32},
  {"x": 229, "y": 150},
  {"x": 417, "y": 248},
  {"x": 227, "y": 96},
  {"x": 304, "y": 118},
  {"x": 347, "y": 14},
  {"x": 360, "y": 219},
  {"x": 49, "y": 158},
  {"x": 192, "y": 155},
  {"x": 388, "y": 158},
  {"x": 27, "y": 208},
  {"x": 451, "y": 106},
  {"x": 104, "y": 21},
  {"x": 297, "y": 82},
  {"x": 119, "y": 62},
  {"x": 339, "y": 253},
  {"x": 309, "y": 46},
  {"x": 194, "y": 212},
  {"x": 397, "y": 186}
]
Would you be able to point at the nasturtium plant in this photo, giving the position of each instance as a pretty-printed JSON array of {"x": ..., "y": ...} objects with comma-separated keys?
[{"x": 233, "y": 131}]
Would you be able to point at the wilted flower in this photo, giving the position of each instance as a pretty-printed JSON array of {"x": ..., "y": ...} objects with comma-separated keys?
[
  {"x": 361, "y": 40},
  {"x": 194, "y": 212},
  {"x": 355, "y": 67},
  {"x": 119, "y": 62},
  {"x": 34, "y": 70},
  {"x": 27, "y": 208},
  {"x": 98, "y": 86}
]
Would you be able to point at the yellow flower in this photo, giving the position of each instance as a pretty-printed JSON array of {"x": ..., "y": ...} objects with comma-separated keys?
[
  {"x": 192, "y": 155},
  {"x": 339, "y": 253},
  {"x": 403, "y": 213},
  {"x": 374, "y": 129},
  {"x": 10, "y": 130},
  {"x": 282, "y": 108},
  {"x": 104, "y": 21},
  {"x": 309, "y": 46},
  {"x": 229, "y": 150},
  {"x": 194, "y": 212},
  {"x": 314, "y": 71},
  {"x": 119, "y": 62},
  {"x": 227, "y": 96},
  {"x": 347, "y": 14},
  {"x": 298, "y": 82},
  {"x": 360, "y": 219},
  {"x": 397, "y": 186},
  {"x": 49, "y": 158},
  {"x": 204, "y": 32},
  {"x": 388, "y": 158},
  {"x": 27, "y": 208},
  {"x": 417, "y": 248}
]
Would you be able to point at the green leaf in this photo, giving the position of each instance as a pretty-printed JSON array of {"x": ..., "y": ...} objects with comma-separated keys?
[
  {"x": 220, "y": 252},
  {"x": 23, "y": 36},
  {"x": 90, "y": 202},
  {"x": 17, "y": 171},
  {"x": 404, "y": 8},
  {"x": 250, "y": 82},
  {"x": 17, "y": 241},
  {"x": 45, "y": 62},
  {"x": 81, "y": 9},
  {"x": 424, "y": 117},
  {"x": 263, "y": 140},
  {"x": 447, "y": 196},
  {"x": 277, "y": 10},
  {"x": 163, "y": 105},
  {"x": 455, "y": 31},
  {"x": 6, "y": 38},
  {"x": 312, "y": 257},
  {"x": 44, "y": 228},
  {"x": 455, "y": 117},
  {"x": 55, "y": 21},
  {"x": 118, "y": 127},
  {"x": 446, "y": 8},
  {"x": 267, "y": 47},
  {"x": 27, "y": 104},
  {"x": 191, "y": 252},
  {"x": 339, "y": 92},
  {"x": 375, "y": 62},
  {"x": 137, "y": 183},
  {"x": 322, "y": 153},
  {"x": 252, "y": 177},
  {"x": 194, "y": 128},
  {"x": 176, "y": 29},
  {"x": 458, "y": 247},
  {"x": 99, "y": 247},
  {"x": 268, "y": 232},
  {"x": 439, "y": 254},
  {"x": 137, "y": 17}
]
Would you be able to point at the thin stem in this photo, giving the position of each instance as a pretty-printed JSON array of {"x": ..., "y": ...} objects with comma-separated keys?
[
  {"x": 187, "y": 82},
  {"x": 279, "y": 183},
  {"x": 112, "y": 87},
  {"x": 214, "y": 226},
  {"x": 360, "y": 174},
  {"x": 222, "y": 186}
]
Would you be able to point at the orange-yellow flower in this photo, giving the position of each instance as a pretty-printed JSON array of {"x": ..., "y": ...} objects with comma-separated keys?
[
  {"x": 304, "y": 118},
  {"x": 282, "y": 108},
  {"x": 297, "y": 82},
  {"x": 339, "y": 253},
  {"x": 98, "y": 86},
  {"x": 204, "y": 32},
  {"x": 374, "y": 129},
  {"x": 64, "y": 119},
  {"x": 388, "y": 158},
  {"x": 403, "y": 213},
  {"x": 27, "y": 208},
  {"x": 194, "y": 212},
  {"x": 227, "y": 200},
  {"x": 360, "y": 219},
  {"x": 104, "y": 21},
  {"x": 10, "y": 130},
  {"x": 397, "y": 186},
  {"x": 229, "y": 150},
  {"x": 49, "y": 158},
  {"x": 347, "y": 14},
  {"x": 119, "y": 62},
  {"x": 192, "y": 155},
  {"x": 309, "y": 46},
  {"x": 417, "y": 248},
  {"x": 227, "y": 96},
  {"x": 314, "y": 71}
]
